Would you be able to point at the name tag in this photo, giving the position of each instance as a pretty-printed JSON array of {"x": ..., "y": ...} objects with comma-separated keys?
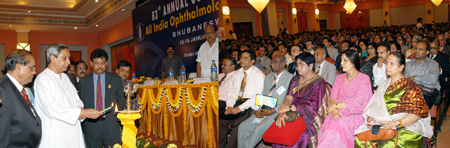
[
  {"x": 281, "y": 90},
  {"x": 109, "y": 86}
]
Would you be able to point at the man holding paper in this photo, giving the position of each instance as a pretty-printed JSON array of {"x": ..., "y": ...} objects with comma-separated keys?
[
  {"x": 58, "y": 104},
  {"x": 275, "y": 85}
]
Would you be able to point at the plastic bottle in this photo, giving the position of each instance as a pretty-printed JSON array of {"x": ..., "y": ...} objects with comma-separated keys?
[
  {"x": 170, "y": 74},
  {"x": 133, "y": 76},
  {"x": 183, "y": 74},
  {"x": 213, "y": 71}
]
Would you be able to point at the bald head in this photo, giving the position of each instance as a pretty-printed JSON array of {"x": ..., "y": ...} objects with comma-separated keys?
[{"x": 276, "y": 52}]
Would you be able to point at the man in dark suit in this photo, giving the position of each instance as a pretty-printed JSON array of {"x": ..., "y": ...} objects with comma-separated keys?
[
  {"x": 80, "y": 71},
  {"x": 98, "y": 90},
  {"x": 20, "y": 125},
  {"x": 444, "y": 66}
]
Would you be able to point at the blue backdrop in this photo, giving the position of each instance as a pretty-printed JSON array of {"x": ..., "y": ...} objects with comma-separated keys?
[{"x": 181, "y": 23}]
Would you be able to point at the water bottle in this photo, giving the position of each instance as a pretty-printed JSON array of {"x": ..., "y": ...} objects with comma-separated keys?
[
  {"x": 170, "y": 74},
  {"x": 182, "y": 74},
  {"x": 213, "y": 71},
  {"x": 133, "y": 76}
]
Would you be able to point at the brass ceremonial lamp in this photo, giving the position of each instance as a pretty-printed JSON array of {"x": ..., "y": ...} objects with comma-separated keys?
[{"x": 127, "y": 118}]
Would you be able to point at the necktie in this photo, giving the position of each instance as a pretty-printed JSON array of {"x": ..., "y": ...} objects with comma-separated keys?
[
  {"x": 318, "y": 69},
  {"x": 243, "y": 83},
  {"x": 221, "y": 80},
  {"x": 99, "y": 103},
  {"x": 25, "y": 96},
  {"x": 274, "y": 84}
]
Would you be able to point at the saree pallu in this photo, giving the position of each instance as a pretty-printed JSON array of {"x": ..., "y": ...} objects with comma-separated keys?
[{"x": 402, "y": 97}]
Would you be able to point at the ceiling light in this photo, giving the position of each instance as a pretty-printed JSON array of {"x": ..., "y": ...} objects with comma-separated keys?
[
  {"x": 96, "y": 1},
  {"x": 25, "y": 46},
  {"x": 75, "y": 28},
  {"x": 259, "y": 5},
  {"x": 96, "y": 25},
  {"x": 29, "y": 11},
  {"x": 436, "y": 2},
  {"x": 350, "y": 6},
  {"x": 123, "y": 9},
  {"x": 10, "y": 25}
]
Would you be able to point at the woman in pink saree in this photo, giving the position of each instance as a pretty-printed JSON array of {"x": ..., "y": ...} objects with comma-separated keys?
[{"x": 349, "y": 96}]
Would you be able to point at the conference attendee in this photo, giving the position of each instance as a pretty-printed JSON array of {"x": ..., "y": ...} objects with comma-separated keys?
[
  {"x": 20, "y": 125},
  {"x": 323, "y": 67},
  {"x": 306, "y": 94},
  {"x": 208, "y": 52},
  {"x": 99, "y": 90},
  {"x": 349, "y": 96},
  {"x": 379, "y": 68},
  {"x": 80, "y": 71},
  {"x": 233, "y": 35},
  {"x": 344, "y": 46},
  {"x": 363, "y": 45},
  {"x": 270, "y": 49},
  {"x": 444, "y": 48},
  {"x": 309, "y": 46},
  {"x": 58, "y": 104},
  {"x": 295, "y": 51},
  {"x": 284, "y": 51},
  {"x": 419, "y": 23},
  {"x": 246, "y": 83},
  {"x": 171, "y": 61},
  {"x": 123, "y": 70},
  {"x": 395, "y": 47},
  {"x": 399, "y": 104},
  {"x": 332, "y": 52},
  {"x": 229, "y": 66},
  {"x": 252, "y": 129},
  {"x": 425, "y": 72},
  {"x": 401, "y": 40},
  {"x": 262, "y": 59},
  {"x": 368, "y": 62},
  {"x": 71, "y": 69},
  {"x": 444, "y": 66}
]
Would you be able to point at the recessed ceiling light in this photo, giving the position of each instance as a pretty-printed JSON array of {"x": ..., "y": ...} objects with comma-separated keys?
[
  {"x": 123, "y": 9},
  {"x": 75, "y": 28},
  {"x": 96, "y": 1},
  {"x": 96, "y": 25},
  {"x": 29, "y": 11},
  {"x": 10, "y": 25}
]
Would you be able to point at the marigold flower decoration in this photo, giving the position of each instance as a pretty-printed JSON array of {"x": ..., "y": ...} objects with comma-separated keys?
[{"x": 141, "y": 80}]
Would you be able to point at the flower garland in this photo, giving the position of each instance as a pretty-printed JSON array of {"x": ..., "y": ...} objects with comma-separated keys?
[
  {"x": 196, "y": 109},
  {"x": 174, "y": 105},
  {"x": 143, "y": 100},
  {"x": 156, "y": 104},
  {"x": 214, "y": 99}
]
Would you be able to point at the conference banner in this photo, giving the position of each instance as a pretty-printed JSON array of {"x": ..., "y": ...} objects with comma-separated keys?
[{"x": 170, "y": 22}]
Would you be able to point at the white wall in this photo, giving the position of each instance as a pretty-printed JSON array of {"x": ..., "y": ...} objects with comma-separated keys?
[
  {"x": 441, "y": 13},
  {"x": 240, "y": 15},
  {"x": 376, "y": 17},
  {"x": 407, "y": 14},
  {"x": 323, "y": 15},
  {"x": 43, "y": 48},
  {"x": 337, "y": 20}
]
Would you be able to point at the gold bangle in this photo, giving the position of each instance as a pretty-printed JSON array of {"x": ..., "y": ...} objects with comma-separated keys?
[
  {"x": 336, "y": 106},
  {"x": 401, "y": 123}
]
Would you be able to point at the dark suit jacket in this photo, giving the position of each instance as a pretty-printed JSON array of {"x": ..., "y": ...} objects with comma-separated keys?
[
  {"x": 18, "y": 126},
  {"x": 444, "y": 63},
  {"x": 73, "y": 79},
  {"x": 292, "y": 69},
  {"x": 113, "y": 93}
]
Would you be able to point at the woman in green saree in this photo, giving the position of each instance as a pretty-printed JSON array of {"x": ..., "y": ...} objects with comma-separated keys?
[{"x": 398, "y": 103}]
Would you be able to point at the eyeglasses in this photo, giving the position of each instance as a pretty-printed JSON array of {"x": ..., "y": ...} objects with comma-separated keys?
[
  {"x": 33, "y": 68},
  {"x": 81, "y": 68}
]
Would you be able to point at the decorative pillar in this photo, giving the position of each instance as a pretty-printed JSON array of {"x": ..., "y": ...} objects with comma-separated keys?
[
  {"x": 269, "y": 19},
  {"x": 316, "y": 18},
  {"x": 293, "y": 17},
  {"x": 429, "y": 11},
  {"x": 225, "y": 20},
  {"x": 386, "y": 13}
]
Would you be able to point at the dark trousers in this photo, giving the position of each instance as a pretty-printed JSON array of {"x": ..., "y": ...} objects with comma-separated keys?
[
  {"x": 101, "y": 136},
  {"x": 224, "y": 129}
]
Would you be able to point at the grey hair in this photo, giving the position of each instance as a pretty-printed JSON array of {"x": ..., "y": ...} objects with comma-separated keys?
[
  {"x": 54, "y": 50},
  {"x": 282, "y": 57}
]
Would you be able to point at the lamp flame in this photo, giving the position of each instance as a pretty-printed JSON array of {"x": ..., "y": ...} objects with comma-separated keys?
[{"x": 115, "y": 109}]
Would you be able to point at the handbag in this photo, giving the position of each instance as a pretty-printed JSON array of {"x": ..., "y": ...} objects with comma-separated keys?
[
  {"x": 384, "y": 134},
  {"x": 292, "y": 115},
  {"x": 286, "y": 135}
]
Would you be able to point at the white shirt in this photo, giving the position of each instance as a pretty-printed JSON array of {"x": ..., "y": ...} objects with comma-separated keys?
[
  {"x": 20, "y": 88},
  {"x": 321, "y": 67},
  {"x": 58, "y": 105},
  {"x": 205, "y": 56},
  {"x": 379, "y": 74},
  {"x": 254, "y": 85},
  {"x": 78, "y": 80},
  {"x": 226, "y": 83}
]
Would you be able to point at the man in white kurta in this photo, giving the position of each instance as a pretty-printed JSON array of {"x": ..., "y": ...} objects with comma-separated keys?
[{"x": 58, "y": 104}]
